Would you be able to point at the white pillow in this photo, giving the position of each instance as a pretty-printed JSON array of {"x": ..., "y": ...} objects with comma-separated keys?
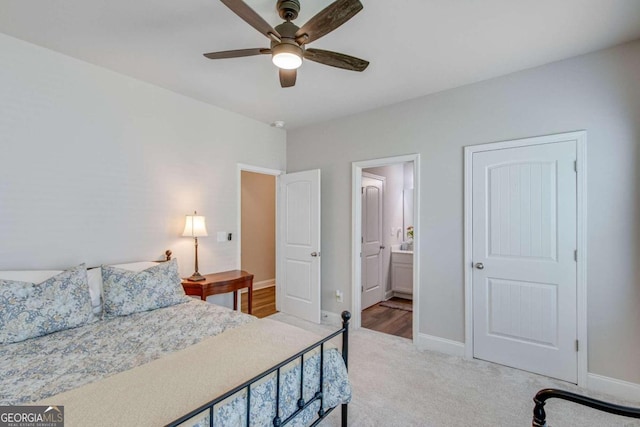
[
  {"x": 94, "y": 277},
  {"x": 135, "y": 266},
  {"x": 29, "y": 276}
]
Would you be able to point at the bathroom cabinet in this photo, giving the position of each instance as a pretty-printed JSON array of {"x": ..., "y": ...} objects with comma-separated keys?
[{"x": 402, "y": 272}]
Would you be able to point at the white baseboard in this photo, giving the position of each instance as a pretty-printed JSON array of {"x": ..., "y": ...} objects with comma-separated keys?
[
  {"x": 614, "y": 387},
  {"x": 261, "y": 285},
  {"x": 403, "y": 295},
  {"x": 331, "y": 318},
  {"x": 441, "y": 345},
  {"x": 388, "y": 295}
]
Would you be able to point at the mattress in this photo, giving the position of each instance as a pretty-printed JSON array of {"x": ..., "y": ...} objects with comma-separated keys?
[{"x": 42, "y": 368}]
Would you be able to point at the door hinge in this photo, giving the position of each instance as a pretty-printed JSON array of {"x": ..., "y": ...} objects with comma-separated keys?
[
  {"x": 362, "y": 190},
  {"x": 575, "y": 165},
  {"x": 361, "y": 239},
  {"x": 360, "y": 254},
  {"x": 361, "y": 288},
  {"x": 575, "y": 255},
  {"x": 577, "y": 345}
]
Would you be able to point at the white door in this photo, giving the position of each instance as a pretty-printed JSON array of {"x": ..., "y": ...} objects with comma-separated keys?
[
  {"x": 524, "y": 242},
  {"x": 299, "y": 273},
  {"x": 372, "y": 284}
]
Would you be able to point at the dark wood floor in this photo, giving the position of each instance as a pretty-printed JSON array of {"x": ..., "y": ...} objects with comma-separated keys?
[
  {"x": 264, "y": 302},
  {"x": 389, "y": 320},
  {"x": 382, "y": 319}
]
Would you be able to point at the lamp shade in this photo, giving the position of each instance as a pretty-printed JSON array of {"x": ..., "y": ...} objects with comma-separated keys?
[{"x": 195, "y": 226}]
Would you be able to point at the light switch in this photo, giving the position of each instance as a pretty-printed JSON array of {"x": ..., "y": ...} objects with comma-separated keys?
[{"x": 222, "y": 236}]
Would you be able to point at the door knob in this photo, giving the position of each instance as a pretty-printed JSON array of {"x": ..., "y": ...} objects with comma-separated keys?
[
  {"x": 479, "y": 266},
  {"x": 382, "y": 247},
  {"x": 315, "y": 254}
]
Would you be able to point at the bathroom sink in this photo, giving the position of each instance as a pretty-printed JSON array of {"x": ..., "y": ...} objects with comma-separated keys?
[{"x": 398, "y": 249}]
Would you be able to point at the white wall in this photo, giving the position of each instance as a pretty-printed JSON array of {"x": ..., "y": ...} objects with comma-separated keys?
[
  {"x": 97, "y": 167},
  {"x": 599, "y": 92}
]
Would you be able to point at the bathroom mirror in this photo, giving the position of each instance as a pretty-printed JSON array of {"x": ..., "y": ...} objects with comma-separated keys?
[{"x": 407, "y": 211}]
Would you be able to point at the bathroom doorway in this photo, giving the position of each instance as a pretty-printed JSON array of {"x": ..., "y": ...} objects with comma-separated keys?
[{"x": 384, "y": 271}]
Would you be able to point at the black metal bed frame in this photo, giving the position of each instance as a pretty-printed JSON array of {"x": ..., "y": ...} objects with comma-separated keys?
[
  {"x": 540, "y": 417},
  {"x": 302, "y": 404}
]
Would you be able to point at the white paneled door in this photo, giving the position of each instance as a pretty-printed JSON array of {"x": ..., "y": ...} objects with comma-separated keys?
[
  {"x": 372, "y": 283},
  {"x": 524, "y": 265},
  {"x": 299, "y": 272}
]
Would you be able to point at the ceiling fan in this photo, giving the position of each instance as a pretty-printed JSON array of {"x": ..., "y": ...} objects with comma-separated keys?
[{"x": 288, "y": 41}]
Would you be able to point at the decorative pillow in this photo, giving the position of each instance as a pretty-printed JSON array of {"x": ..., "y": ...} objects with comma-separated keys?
[
  {"x": 127, "y": 292},
  {"x": 29, "y": 310}
]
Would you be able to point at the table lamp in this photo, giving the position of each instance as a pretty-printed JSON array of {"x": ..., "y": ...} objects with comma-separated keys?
[{"x": 195, "y": 227}]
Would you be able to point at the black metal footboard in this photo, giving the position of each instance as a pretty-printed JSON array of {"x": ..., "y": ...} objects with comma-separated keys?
[
  {"x": 540, "y": 417},
  {"x": 302, "y": 404}
]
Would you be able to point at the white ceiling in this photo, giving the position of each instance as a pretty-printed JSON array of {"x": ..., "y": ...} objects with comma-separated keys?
[{"x": 415, "y": 47}]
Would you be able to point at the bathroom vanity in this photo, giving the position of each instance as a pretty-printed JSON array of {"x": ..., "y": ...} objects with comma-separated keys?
[{"x": 401, "y": 272}]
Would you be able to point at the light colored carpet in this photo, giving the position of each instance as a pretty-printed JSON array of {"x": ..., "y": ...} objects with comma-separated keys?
[{"x": 396, "y": 385}]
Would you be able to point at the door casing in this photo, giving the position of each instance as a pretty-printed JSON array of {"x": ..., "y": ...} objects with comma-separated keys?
[
  {"x": 356, "y": 230},
  {"x": 580, "y": 137}
]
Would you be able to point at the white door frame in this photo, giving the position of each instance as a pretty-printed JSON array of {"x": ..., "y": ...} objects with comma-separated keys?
[
  {"x": 581, "y": 189},
  {"x": 356, "y": 230},
  {"x": 265, "y": 171},
  {"x": 383, "y": 179}
]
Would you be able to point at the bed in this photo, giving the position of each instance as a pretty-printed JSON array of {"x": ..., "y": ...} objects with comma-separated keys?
[{"x": 190, "y": 363}]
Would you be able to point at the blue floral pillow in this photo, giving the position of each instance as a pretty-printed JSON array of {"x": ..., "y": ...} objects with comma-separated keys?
[
  {"x": 127, "y": 292},
  {"x": 29, "y": 310}
]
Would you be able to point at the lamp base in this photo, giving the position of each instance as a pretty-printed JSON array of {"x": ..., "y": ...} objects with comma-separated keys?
[{"x": 196, "y": 277}]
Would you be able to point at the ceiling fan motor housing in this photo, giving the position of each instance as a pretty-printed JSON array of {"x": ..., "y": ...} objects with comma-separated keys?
[{"x": 288, "y": 9}]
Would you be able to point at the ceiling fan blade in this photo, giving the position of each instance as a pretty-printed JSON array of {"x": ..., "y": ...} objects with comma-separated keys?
[
  {"x": 327, "y": 20},
  {"x": 335, "y": 59},
  {"x": 250, "y": 16},
  {"x": 236, "y": 53},
  {"x": 288, "y": 77}
]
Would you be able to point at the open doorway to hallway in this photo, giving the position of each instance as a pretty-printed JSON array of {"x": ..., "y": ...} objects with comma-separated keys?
[
  {"x": 258, "y": 239},
  {"x": 386, "y": 245}
]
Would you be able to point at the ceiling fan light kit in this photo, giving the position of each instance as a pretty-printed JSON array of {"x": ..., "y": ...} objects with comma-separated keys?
[
  {"x": 286, "y": 54},
  {"x": 288, "y": 41}
]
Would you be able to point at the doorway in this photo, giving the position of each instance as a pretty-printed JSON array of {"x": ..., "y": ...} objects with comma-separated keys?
[
  {"x": 524, "y": 253},
  {"x": 257, "y": 236},
  {"x": 385, "y": 272}
]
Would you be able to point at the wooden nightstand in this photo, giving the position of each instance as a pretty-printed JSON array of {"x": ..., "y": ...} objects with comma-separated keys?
[{"x": 221, "y": 283}]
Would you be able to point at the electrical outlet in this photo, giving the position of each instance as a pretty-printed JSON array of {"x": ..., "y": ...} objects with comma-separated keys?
[{"x": 339, "y": 296}]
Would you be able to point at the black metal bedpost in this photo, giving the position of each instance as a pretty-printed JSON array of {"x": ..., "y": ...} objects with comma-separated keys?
[
  {"x": 539, "y": 415},
  {"x": 346, "y": 316}
]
